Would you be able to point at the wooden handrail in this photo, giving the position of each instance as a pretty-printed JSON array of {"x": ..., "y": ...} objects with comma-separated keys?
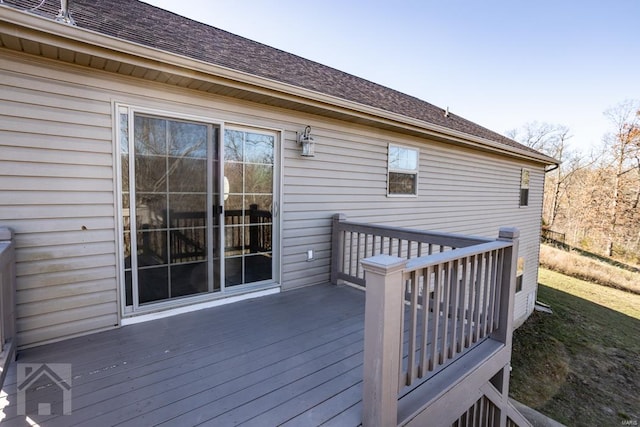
[
  {"x": 469, "y": 251},
  {"x": 352, "y": 242}
]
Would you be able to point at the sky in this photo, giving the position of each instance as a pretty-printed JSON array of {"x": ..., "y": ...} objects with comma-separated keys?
[{"x": 499, "y": 63}]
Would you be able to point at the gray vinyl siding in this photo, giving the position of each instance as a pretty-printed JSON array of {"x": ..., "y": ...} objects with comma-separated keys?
[
  {"x": 56, "y": 193},
  {"x": 459, "y": 191},
  {"x": 57, "y": 189}
]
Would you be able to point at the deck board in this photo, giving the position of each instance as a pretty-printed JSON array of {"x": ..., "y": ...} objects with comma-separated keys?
[
  {"x": 264, "y": 361},
  {"x": 293, "y": 358}
]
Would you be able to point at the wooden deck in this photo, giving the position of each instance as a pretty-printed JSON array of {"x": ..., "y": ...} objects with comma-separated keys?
[{"x": 294, "y": 358}]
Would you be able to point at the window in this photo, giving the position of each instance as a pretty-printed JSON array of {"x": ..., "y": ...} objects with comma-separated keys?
[
  {"x": 519, "y": 274},
  {"x": 524, "y": 187},
  {"x": 402, "y": 179}
]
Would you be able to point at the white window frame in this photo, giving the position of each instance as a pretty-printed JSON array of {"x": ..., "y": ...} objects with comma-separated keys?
[{"x": 406, "y": 171}]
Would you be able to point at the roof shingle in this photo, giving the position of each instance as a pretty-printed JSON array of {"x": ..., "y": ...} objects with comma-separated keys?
[{"x": 141, "y": 23}]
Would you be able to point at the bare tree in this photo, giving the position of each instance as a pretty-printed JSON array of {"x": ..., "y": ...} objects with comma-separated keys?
[
  {"x": 552, "y": 140},
  {"x": 624, "y": 156}
]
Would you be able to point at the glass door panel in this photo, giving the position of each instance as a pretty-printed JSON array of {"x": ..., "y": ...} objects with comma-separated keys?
[
  {"x": 248, "y": 207},
  {"x": 173, "y": 189}
]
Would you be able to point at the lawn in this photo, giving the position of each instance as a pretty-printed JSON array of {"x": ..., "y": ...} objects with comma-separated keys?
[{"x": 580, "y": 365}]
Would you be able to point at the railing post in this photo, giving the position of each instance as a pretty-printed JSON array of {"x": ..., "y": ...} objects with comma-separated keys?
[
  {"x": 7, "y": 301},
  {"x": 504, "y": 333},
  {"x": 337, "y": 246},
  {"x": 382, "y": 347},
  {"x": 508, "y": 285}
]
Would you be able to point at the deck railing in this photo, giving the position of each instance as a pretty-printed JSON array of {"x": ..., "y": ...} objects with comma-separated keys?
[
  {"x": 7, "y": 301},
  {"x": 352, "y": 242},
  {"x": 452, "y": 303},
  {"x": 423, "y": 314}
]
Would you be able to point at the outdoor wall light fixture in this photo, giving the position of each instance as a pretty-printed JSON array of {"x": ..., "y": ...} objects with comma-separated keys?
[{"x": 308, "y": 145}]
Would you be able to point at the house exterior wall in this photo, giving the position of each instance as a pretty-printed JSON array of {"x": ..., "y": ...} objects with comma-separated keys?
[{"x": 58, "y": 189}]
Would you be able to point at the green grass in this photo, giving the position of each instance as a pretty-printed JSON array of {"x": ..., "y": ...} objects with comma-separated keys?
[{"x": 581, "y": 365}]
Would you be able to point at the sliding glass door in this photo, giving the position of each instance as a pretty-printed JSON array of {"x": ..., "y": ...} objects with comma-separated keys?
[{"x": 191, "y": 224}]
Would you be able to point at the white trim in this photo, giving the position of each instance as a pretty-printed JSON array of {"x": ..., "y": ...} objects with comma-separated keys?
[
  {"x": 221, "y": 213},
  {"x": 279, "y": 207},
  {"x": 195, "y": 307},
  {"x": 117, "y": 205}
]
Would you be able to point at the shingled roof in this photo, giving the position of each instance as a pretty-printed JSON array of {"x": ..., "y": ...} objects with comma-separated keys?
[{"x": 151, "y": 26}]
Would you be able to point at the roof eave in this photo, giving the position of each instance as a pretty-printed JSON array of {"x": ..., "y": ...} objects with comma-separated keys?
[{"x": 40, "y": 29}]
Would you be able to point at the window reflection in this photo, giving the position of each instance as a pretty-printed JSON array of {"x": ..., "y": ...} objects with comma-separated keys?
[
  {"x": 248, "y": 206},
  {"x": 233, "y": 143},
  {"x": 187, "y": 175},
  {"x": 151, "y": 210},
  {"x": 258, "y": 148},
  {"x": 258, "y": 179},
  {"x": 171, "y": 188},
  {"x": 187, "y": 140},
  {"x": 150, "y": 135}
]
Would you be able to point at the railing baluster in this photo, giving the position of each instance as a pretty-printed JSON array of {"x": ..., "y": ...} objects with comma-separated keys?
[
  {"x": 402, "y": 380},
  {"x": 486, "y": 262},
  {"x": 424, "y": 353},
  {"x": 437, "y": 269},
  {"x": 464, "y": 284},
  {"x": 358, "y": 255},
  {"x": 485, "y": 294},
  {"x": 492, "y": 294},
  {"x": 472, "y": 298},
  {"x": 498, "y": 290},
  {"x": 445, "y": 311},
  {"x": 343, "y": 261},
  {"x": 366, "y": 244},
  {"x": 455, "y": 286},
  {"x": 373, "y": 244},
  {"x": 478, "y": 301},
  {"x": 413, "y": 329},
  {"x": 350, "y": 256}
]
